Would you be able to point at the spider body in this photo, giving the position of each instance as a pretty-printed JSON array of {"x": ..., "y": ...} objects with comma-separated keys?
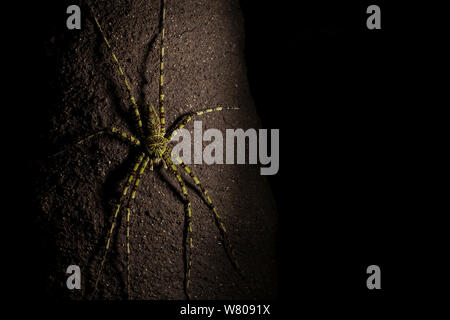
[
  {"x": 152, "y": 143},
  {"x": 156, "y": 146}
]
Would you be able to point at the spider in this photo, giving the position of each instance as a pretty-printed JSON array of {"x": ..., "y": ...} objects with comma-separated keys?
[{"x": 152, "y": 142}]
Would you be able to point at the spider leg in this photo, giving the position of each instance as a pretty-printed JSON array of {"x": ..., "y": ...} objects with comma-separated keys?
[
  {"x": 151, "y": 165},
  {"x": 220, "y": 225},
  {"x": 133, "y": 195},
  {"x": 135, "y": 107},
  {"x": 128, "y": 253},
  {"x": 189, "y": 116},
  {"x": 188, "y": 245},
  {"x": 161, "y": 69},
  {"x": 112, "y": 131},
  {"x": 115, "y": 133},
  {"x": 116, "y": 213}
]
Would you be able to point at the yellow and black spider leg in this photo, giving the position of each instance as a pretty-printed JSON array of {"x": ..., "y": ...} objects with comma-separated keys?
[
  {"x": 171, "y": 167},
  {"x": 227, "y": 244},
  {"x": 133, "y": 195},
  {"x": 135, "y": 107},
  {"x": 161, "y": 70},
  {"x": 188, "y": 117},
  {"x": 113, "y": 131},
  {"x": 151, "y": 165},
  {"x": 116, "y": 213}
]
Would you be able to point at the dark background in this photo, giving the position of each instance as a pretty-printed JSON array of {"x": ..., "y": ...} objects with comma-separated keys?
[
  {"x": 356, "y": 112},
  {"x": 317, "y": 73},
  {"x": 350, "y": 190}
]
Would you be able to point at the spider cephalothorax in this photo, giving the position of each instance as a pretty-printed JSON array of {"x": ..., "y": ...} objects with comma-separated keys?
[
  {"x": 152, "y": 144},
  {"x": 156, "y": 146}
]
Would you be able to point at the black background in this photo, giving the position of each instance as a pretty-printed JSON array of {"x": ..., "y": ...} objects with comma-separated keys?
[
  {"x": 318, "y": 74},
  {"x": 351, "y": 189}
]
